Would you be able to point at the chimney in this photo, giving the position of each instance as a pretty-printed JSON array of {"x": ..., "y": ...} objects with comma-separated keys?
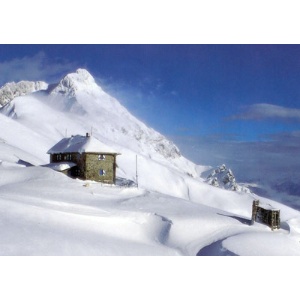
[{"x": 87, "y": 134}]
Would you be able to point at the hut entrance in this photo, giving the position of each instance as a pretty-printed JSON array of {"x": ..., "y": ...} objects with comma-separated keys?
[{"x": 75, "y": 172}]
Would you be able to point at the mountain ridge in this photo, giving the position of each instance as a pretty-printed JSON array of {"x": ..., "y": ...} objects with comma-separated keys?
[{"x": 11, "y": 90}]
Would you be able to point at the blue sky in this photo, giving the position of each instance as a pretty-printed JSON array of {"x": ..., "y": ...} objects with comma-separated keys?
[
  {"x": 240, "y": 92},
  {"x": 226, "y": 100}
]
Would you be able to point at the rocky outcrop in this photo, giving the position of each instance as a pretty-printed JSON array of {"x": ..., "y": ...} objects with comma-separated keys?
[
  {"x": 224, "y": 178},
  {"x": 12, "y": 90}
]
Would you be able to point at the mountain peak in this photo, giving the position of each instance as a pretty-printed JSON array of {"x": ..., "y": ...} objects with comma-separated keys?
[
  {"x": 223, "y": 177},
  {"x": 81, "y": 79},
  {"x": 82, "y": 75},
  {"x": 83, "y": 72}
]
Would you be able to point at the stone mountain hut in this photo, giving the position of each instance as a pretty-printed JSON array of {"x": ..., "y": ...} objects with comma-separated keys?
[{"x": 86, "y": 158}]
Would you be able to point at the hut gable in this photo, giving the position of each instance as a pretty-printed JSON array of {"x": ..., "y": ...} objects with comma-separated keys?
[{"x": 93, "y": 159}]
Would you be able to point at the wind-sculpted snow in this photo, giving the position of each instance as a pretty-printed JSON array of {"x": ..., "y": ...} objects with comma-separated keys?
[{"x": 46, "y": 213}]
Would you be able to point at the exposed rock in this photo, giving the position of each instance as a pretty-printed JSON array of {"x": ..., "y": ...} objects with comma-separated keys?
[
  {"x": 12, "y": 90},
  {"x": 224, "y": 178}
]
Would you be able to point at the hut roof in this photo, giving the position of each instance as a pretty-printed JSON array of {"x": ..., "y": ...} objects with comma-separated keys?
[
  {"x": 267, "y": 207},
  {"x": 81, "y": 144}
]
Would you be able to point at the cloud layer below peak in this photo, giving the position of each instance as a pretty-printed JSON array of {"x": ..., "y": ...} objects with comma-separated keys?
[{"x": 263, "y": 111}]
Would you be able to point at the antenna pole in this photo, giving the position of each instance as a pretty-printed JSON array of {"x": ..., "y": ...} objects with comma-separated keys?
[{"x": 136, "y": 172}]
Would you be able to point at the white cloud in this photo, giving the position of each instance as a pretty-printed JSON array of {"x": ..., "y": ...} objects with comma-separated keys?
[
  {"x": 273, "y": 163},
  {"x": 278, "y": 153},
  {"x": 268, "y": 111},
  {"x": 36, "y": 67}
]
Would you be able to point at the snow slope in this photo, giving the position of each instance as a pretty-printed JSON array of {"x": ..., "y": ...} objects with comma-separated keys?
[{"x": 172, "y": 212}]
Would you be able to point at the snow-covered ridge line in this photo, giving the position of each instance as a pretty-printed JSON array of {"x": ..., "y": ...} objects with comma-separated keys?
[
  {"x": 69, "y": 85},
  {"x": 12, "y": 90}
]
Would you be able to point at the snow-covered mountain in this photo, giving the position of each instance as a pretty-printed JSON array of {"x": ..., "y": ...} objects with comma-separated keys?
[
  {"x": 224, "y": 178},
  {"x": 77, "y": 105},
  {"x": 172, "y": 212},
  {"x": 12, "y": 90}
]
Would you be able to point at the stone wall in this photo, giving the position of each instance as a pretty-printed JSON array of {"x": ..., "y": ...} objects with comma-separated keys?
[
  {"x": 100, "y": 169},
  {"x": 90, "y": 166},
  {"x": 270, "y": 217}
]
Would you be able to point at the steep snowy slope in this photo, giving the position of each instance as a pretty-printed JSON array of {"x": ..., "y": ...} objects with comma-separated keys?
[
  {"x": 82, "y": 96},
  {"x": 173, "y": 212}
]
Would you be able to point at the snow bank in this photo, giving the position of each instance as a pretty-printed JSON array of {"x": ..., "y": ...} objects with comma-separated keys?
[
  {"x": 60, "y": 166},
  {"x": 267, "y": 244}
]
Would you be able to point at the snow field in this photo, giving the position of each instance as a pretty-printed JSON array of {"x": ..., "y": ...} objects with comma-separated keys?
[
  {"x": 40, "y": 221},
  {"x": 42, "y": 217}
]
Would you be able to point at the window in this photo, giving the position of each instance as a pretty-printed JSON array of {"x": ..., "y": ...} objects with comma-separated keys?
[
  {"x": 101, "y": 157},
  {"x": 102, "y": 172},
  {"x": 65, "y": 157},
  {"x": 58, "y": 157}
]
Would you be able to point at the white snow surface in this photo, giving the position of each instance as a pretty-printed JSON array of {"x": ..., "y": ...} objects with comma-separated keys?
[
  {"x": 60, "y": 166},
  {"x": 171, "y": 212},
  {"x": 80, "y": 144}
]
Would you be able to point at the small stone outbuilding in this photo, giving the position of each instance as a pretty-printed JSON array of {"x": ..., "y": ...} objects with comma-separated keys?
[
  {"x": 89, "y": 159},
  {"x": 265, "y": 214}
]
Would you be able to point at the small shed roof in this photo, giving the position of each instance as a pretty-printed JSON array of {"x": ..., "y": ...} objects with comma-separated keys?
[
  {"x": 267, "y": 207},
  {"x": 81, "y": 144}
]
